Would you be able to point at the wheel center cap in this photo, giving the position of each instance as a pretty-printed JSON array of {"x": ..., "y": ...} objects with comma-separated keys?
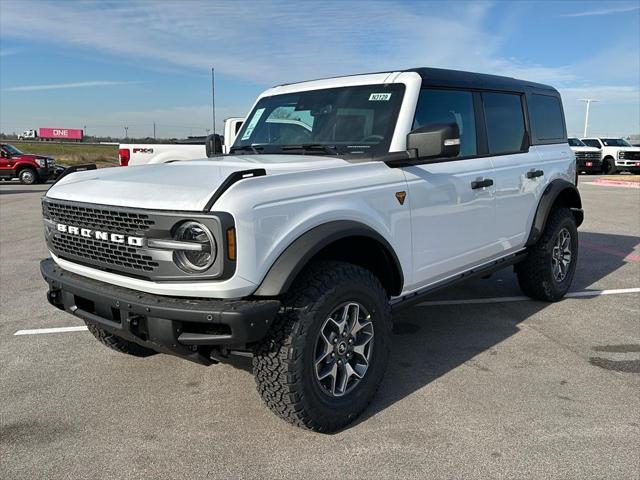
[{"x": 342, "y": 348}]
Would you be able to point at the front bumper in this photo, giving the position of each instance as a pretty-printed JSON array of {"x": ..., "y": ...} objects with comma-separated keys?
[
  {"x": 45, "y": 173},
  {"x": 589, "y": 165},
  {"x": 186, "y": 327}
]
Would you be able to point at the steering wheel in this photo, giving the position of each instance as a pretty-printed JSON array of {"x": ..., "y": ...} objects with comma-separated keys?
[{"x": 372, "y": 138}]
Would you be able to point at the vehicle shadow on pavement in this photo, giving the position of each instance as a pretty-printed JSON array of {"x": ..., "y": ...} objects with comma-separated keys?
[
  {"x": 15, "y": 192},
  {"x": 430, "y": 341}
]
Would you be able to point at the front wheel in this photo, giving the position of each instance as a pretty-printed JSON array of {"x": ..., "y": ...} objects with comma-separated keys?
[
  {"x": 547, "y": 272},
  {"x": 609, "y": 166},
  {"x": 325, "y": 356},
  {"x": 28, "y": 176}
]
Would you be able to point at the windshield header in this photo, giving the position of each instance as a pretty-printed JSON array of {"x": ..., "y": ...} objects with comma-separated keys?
[{"x": 354, "y": 121}]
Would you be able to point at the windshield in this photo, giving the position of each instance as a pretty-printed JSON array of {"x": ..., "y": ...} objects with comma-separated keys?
[
  {"x": 615, "y": 142},
  {"x": 11, "y": 149},
  {"x": 574, "y": 142},
  {"x": 355, "y": 120},
  {"x": 592, "y": 142}
]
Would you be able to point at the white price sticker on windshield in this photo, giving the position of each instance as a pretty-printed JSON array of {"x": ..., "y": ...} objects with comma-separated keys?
[
  {"x": 252, "y": 124},
  {"x": 379, "y": 97}
]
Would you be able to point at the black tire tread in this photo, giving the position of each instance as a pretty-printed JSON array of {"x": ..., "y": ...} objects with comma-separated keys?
[
  {"x": 533, "y": 272},
  {"x": 276, "y": 363},
  {"x": 118, "y": 344}
]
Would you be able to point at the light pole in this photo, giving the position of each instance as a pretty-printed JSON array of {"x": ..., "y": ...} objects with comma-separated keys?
[
  {"x": 126, "y": 132},
  {"x": 586, "y": 116}
]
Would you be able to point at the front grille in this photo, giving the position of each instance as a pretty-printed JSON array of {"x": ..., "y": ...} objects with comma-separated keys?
[
  {"x": 109, "y": 254},
  {"x": 590, "y": 156},
  {"x": 631, "y": 156},
  {"x": 97, "y": 218}
]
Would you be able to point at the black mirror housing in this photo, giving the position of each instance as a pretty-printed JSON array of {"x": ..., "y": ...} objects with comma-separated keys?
[
  {"x": 213, "y": 145},
  {"x": 435, "y": 140}
]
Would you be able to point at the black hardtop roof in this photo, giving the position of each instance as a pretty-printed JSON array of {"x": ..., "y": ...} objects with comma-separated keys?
[{"x": 440, "y": 77}]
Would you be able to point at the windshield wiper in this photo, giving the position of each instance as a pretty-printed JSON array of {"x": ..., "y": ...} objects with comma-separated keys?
[
  {"x": 252, "y": 148},
  {"x": 310, "y": 147}
]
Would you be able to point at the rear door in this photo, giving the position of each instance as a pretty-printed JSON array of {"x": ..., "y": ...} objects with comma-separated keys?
[
  {"x": 518, "y": 173},
  {"x": 453, "y": 224}
]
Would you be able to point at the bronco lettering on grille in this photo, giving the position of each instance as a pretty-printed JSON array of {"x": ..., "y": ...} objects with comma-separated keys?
[{"x": 99, "y": 235}]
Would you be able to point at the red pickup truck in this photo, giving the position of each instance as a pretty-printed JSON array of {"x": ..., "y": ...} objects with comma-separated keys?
[{"x": 28, "y": 168}]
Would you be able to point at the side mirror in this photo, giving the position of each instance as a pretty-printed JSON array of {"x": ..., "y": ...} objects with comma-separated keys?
[
  {"x": 213, "y": 145},
  {"x": 4, "y": 154},
  {"x": 435, "y": 140}
]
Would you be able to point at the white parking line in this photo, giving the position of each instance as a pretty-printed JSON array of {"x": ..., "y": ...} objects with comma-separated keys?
[
  {"x": 584, "y": 293},
  {"x": 37, "y": 331}
]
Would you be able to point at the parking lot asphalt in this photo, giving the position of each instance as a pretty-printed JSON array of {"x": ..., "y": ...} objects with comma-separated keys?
[{"x": 480, "y": 385}]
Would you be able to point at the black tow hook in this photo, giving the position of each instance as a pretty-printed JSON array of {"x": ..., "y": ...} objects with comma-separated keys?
[{"x": 55, "y": 298}]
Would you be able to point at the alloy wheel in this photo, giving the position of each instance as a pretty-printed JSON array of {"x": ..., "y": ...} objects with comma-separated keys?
[{"x": 343, "y": 349}]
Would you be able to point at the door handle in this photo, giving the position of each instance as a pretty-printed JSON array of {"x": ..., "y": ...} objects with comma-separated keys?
[
  {"x": 534, "y": 173},
  {"x": 485, "y": 182}
]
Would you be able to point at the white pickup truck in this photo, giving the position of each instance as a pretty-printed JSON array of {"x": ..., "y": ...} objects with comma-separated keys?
[
  {"x": 617, "y": 154},
  {"x": 130, "y": 154}
]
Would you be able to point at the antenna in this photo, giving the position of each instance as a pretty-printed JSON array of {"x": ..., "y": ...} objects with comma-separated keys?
[
  {"x": 586, "y": 116},
  {"x": 213, "y": 99}
]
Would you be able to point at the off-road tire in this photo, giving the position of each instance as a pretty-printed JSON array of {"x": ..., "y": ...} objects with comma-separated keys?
[
  {"x": 535, "y": 273},
  {"x": 28, "y": 176},
  {"x": 609, "y": 166},
  {"x": 118, "y": 344},
  {"x": 283, "y": 363}
]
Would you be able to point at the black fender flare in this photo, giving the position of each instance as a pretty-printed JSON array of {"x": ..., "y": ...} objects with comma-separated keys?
[
  {"x": 298, "y": 254},
  {"x": 560, "y": 192}
]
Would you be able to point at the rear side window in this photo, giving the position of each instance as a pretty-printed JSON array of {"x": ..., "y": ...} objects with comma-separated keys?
[
  {"x": 545, "y": 114},
  {"x": 449, "y": 106},
  {"x": 505, "y": 122}
]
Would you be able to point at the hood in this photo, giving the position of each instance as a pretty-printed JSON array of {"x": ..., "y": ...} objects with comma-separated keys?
[
  {"x": 584, "y": 149},
  {"x": 181, "y": 186},
  {"x": 30, "y": 156}
]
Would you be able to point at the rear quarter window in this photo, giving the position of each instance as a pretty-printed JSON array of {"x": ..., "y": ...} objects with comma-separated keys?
[{"x": 547, "y": 121}]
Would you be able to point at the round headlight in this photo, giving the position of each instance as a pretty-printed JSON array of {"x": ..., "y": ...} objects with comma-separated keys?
[{"x": 202, "y": 256}]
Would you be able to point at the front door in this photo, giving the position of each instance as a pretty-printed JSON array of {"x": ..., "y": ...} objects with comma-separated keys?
[
  {"x": 6, "y": 163},
  {"x": 452, "y": 213}
]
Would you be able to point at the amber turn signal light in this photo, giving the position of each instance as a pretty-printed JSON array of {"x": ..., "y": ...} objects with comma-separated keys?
[{"x": 231, "y": 243}]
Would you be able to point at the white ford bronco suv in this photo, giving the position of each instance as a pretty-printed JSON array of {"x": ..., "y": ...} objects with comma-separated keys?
[{"x": 296, "y": 247}]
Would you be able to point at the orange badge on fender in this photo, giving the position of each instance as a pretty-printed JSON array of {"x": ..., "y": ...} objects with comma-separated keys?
[{"x": 401, "y": 196}]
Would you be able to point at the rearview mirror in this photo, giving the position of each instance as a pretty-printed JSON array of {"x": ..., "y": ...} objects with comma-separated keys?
[{"x": 435, "y": 140}]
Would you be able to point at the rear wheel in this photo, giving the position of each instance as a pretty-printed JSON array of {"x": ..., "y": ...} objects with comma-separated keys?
[
  {"x": 324, "y": 358},
  {"x": 547, "y": 272},
  {"x": 28, "y": 176},
  {"x": 118, "y": 344}
]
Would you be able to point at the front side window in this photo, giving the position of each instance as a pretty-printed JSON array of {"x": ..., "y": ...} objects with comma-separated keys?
[
  {"x": 505, "y": 122},
  {"x": 11, "y": 150},
  {"x": 357, "y": 120},
  {"x": 592, "y": 142},
  {"x": 449, "y": 106},
  {"x": 545, "y": 114}
]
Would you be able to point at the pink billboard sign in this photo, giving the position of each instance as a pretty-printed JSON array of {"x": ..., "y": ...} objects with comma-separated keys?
[{"x": 65, "y": 133}]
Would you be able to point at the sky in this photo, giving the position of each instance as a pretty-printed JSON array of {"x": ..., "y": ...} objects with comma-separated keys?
[{"x": 110, "y": 64}]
